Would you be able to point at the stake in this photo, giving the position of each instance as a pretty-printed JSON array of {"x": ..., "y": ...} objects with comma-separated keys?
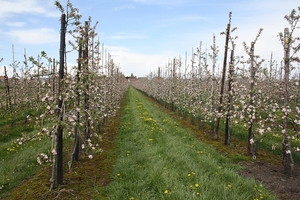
[{"x": 60, "y": 102}]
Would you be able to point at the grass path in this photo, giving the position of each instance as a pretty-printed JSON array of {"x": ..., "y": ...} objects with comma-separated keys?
[{"x": 158, "y": 159}]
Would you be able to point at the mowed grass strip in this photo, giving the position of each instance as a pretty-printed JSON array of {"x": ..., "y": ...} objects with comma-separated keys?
[{"x": 158, "y": 159}]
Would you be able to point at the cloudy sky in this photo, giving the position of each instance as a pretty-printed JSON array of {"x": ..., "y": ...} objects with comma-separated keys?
[{"x": 144, "y": 34}]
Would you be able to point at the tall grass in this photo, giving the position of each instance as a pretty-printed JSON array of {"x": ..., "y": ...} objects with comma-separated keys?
[{"x": 158, "y": 159}]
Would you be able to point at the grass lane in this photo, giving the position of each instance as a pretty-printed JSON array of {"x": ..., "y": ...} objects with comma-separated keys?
[{"x": 158, "y": 159}]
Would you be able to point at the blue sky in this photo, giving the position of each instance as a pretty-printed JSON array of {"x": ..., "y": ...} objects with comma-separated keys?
[{"x": 144, "y": 34}]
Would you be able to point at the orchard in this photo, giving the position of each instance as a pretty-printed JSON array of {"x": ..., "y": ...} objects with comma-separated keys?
[{"x": 56, "y": 120}]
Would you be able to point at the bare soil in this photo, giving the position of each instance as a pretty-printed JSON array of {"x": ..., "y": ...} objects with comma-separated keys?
[{"x": 285, "y": 186}]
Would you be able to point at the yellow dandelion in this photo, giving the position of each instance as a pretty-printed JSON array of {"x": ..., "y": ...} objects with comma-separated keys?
[
  {"x": 196, "y": 185},
  {"x": 166, "y": 192}
]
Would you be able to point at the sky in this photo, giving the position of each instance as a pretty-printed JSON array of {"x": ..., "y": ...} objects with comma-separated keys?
[{"x": 142, "y": 35}]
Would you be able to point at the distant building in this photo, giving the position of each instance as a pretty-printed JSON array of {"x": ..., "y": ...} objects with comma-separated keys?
[{"x": 132, "y": 79}]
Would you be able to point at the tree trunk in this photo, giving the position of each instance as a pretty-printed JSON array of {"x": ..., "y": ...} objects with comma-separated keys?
[
  {"x": 76, "y": 143},
  {"x": 222, "y": 81},
  {"x": 7, "y": 92},
  {"x": 59, "y": 132},
  {"x": 252, "y": 76},
  {"x": 298, "y": 91},
  {"x": 86, "y": 81},
  {"x": 229, "y": 101},
  {"x": 54, "y": 79},
  {"x": 287, "y": 164},
  {"x": 173, "y": 86},
  {"x": 214, "y": 57}
]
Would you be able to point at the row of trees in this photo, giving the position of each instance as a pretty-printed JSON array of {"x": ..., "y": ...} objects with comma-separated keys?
[
  {"x": 74, "y": 104},
  {"x": 264, "y": 99}
]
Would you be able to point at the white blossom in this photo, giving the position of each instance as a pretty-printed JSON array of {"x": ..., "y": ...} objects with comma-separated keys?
[{"x": 54, "y": 152}]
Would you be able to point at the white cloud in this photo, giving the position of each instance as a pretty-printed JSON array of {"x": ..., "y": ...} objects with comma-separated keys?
[
  {"x": 137, "y": 63},
  {"x": 16, "y": 24},
  {"x": 248, "y": 25},
  {"x": 34, "y": 36},
  {"x": 10, "y": 8},
  {"x": 9, "y": 71},
  {"x": 272, "y": 24}
]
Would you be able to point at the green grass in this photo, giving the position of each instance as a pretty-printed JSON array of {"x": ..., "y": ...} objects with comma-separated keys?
[
  {"x": 265, "y": 141},
  {"x": 158, "y": 159},
  {"x": 18, "y": 162}
]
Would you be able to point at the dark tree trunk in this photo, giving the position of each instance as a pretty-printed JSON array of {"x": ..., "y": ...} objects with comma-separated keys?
[
  {"x": 229, "y": 101},
  {"x": 59, "y": 133},
  {"x": 86, "y": 81},
  {"x": 222, "y": 81},
  {"x": 76, "y": 143}
]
